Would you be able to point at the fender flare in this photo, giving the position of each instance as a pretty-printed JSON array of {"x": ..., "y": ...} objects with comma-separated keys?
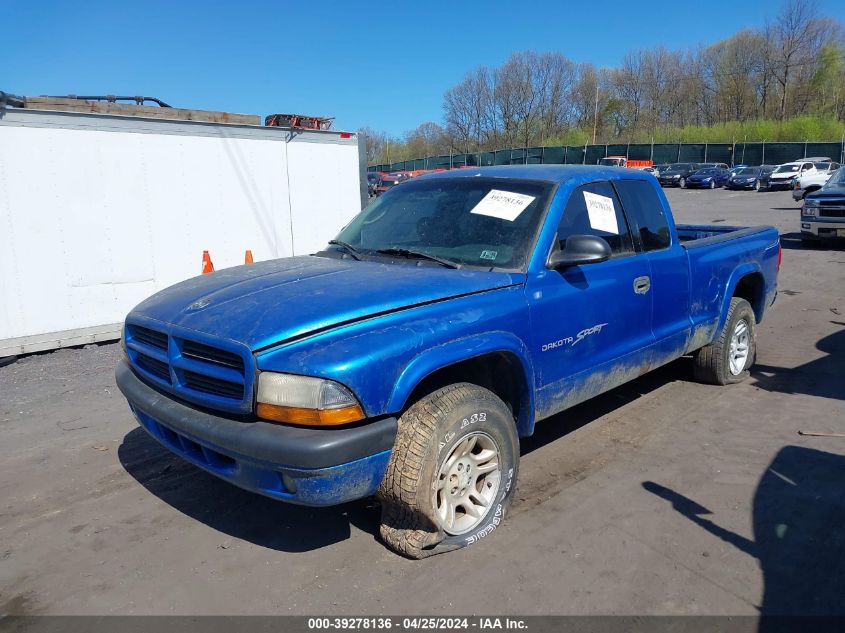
[
  {"x": 463, "y": 349},
  {"x": 739, "y": 272}
]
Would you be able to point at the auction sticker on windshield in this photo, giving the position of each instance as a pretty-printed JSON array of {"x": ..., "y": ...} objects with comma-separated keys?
[
  {"x": 504, "y": 205},
  {"x": 601, "y": 212}
]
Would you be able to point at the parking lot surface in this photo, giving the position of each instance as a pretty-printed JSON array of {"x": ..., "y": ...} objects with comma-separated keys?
[{"x": 661, "y": 497}]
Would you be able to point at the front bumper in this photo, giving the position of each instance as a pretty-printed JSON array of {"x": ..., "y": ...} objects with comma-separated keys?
[
  {"x": 777, "y": 185},
  {"x": 697, "y": 184},
  {"x": 822, "y": 227},
  {"x": 669, "y": 182},
  {"x": 740, "y": 185},
  {"x": 316, "y": 467}
]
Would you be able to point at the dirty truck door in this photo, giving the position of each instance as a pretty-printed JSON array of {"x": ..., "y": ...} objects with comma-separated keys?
[{"x": 591, "y": 324}]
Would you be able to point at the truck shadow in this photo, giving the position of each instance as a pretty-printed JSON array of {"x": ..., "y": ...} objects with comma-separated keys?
[
  {"x": 580, "y": 415},
  {"x": 792, "y": 242},
  {"x": 236, "y": 512},
  {"x": 797, "y": 513},
  {"x": 821, "y": 377}
]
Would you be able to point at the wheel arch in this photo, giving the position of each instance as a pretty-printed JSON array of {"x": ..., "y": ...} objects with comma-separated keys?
[
  {"x": 747, "y": 283},
  {"x": 498, "y": 362}
]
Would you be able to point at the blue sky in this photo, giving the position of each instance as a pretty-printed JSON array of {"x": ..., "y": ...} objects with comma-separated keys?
[{"x": 382, "y": 64}]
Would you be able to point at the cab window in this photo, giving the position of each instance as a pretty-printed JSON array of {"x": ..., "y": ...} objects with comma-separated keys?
[
  {"x": 644, "y": 210},
  {"x": 588, "y": 215}
]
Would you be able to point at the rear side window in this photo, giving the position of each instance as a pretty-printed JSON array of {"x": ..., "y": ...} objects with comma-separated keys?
[
  {"x": 648, "y": 220},
  {"x": 591, "y": 218}
]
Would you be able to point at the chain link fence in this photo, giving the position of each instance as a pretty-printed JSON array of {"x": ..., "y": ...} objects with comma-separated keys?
[{"x": 761, "y": 153}]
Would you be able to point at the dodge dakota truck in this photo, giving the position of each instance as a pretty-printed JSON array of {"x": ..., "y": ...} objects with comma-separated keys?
[{"x": 407, "y": 358}]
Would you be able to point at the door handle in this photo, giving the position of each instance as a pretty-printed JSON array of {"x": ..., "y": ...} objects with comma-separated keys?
[{"x": 642, "y": 285}]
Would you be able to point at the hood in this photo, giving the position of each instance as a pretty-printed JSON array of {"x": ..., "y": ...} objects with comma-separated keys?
[
  {"x": 829, "y": 192},
  {"x": 270, "y": 302},
  {"x": 783, "y": 175}
]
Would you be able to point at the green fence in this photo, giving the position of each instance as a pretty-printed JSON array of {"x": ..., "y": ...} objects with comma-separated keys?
[{"x": 730, "y": 153}]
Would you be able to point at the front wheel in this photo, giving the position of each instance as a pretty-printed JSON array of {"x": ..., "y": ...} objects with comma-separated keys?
[
  {"x": 452, "y": 472},
  {"x": 712, "y": 184},
  {"x": 756, "y": 185},
  {"x": 682, "y": 183},
  {"x": 729, "y": 358}
]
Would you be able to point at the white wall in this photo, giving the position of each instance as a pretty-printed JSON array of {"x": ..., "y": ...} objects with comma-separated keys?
[{"x": 94, "y": 220}]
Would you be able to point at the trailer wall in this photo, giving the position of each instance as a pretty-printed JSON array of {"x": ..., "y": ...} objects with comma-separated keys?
[{"x": 98, "y": 212}]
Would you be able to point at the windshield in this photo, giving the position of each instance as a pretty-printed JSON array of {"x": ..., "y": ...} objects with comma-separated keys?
[
  {"x": 489, "y": 222},
  {"x": 836, "y": 180},
  {"x": 677, "y": 167},
  {"x": 748, "y": 171},
  {"x": 787, "y": 169},
  {"x": 706, "y": 172}
]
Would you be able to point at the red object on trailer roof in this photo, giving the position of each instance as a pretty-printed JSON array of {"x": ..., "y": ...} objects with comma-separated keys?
[{"x": 301, "y": 121}]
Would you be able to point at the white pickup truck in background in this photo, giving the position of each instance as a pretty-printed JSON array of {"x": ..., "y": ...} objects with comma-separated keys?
[{"x": 813, "y": 181}]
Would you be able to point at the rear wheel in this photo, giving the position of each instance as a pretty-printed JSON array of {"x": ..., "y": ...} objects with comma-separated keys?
[
  {"x": 729, "y": 358},
  {"x": 452, "y": 472}
]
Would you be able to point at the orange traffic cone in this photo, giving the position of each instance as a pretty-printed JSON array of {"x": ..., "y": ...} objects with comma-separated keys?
[
  {"x": 207, "y": 266},
  {"x": 248, "y": 257}
]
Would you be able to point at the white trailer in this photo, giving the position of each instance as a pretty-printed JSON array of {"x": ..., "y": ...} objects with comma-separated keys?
[{"x": 99, "y": 211}]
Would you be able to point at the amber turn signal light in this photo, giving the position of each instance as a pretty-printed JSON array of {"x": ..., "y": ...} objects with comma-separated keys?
[{"x": 310, "y": 417}]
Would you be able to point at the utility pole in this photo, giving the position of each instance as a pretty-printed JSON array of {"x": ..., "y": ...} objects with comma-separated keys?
[{"x": 596, "y": 111}]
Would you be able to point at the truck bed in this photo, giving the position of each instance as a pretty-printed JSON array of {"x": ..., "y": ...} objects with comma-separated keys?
[{"x": 703, "y": 234}]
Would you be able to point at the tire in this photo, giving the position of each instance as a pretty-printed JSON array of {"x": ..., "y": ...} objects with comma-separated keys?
[
  {"x": 712, "y": 363},
  {"x": 448, "y": 425},
  {"x": 712, "y": 184},
  {"x": 756, "y": 185},
  {"x": 810, "y": 242},
  {"x": 682, "y": 183}
]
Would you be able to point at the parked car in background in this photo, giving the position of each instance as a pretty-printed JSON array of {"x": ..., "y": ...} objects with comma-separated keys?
[
  {"x": 784, "y": 176},
  {"x": 813, "y": 182},
  {"x": 715, "y": 165},
  {"x": 372, "y": 183},
  {"x": 388, "y": 181},
  {"x": 650, "y": 170},
  {"x": 737, "y": 168},
  {"x": 623, "y": 161},
  {"x": 746, "y": 178},
  {"x": 823, "y": 211},
  {"x": 765, "y": 174},
  {"x": 676, "y": 174},
  {"x": 708, "y": 178}
]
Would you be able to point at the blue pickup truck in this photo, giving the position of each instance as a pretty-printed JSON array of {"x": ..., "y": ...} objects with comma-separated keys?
[{"x": 407, "y": 358}]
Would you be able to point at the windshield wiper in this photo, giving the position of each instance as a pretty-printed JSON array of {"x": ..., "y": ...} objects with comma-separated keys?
[
  {"x": 354, "y": 252},
  {"x": 406, "y": 252}
]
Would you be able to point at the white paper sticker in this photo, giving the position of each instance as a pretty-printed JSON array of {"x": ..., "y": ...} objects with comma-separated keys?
[
  {"x": 601, "y": 212},
  {"x": 504, "y": 205}
]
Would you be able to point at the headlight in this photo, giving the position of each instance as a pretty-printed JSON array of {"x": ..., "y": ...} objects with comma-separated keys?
[
  {"x": 811, "y": 203},
  {"x": 676, "y": 176},
  {"x": 305, "y": 400}
]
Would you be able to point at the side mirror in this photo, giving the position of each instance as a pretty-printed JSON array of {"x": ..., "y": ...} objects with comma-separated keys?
[{"x": 580, "y": 250}]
